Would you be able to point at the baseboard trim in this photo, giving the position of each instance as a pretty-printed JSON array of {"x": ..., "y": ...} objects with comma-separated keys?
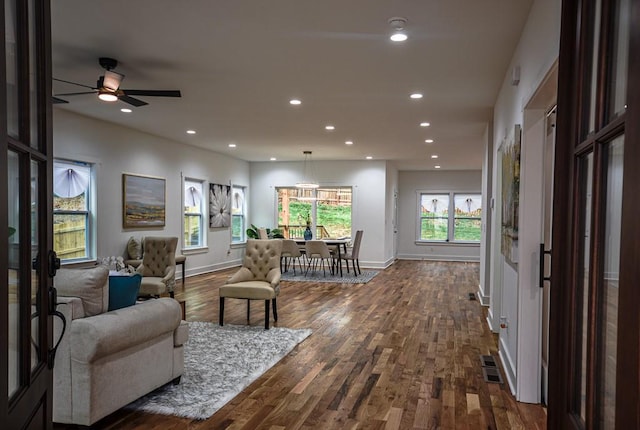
[
  {"x": 484, "y": 300},
  {"x": 457, "y": 258},
  {"x": 507, "y": 365},
  {"x": 212, "y": 268}
]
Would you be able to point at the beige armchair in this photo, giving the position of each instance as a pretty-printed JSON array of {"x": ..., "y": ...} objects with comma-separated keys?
[
  {"x": 257, "y": 279},
  {"x": 158, "y": 268}
]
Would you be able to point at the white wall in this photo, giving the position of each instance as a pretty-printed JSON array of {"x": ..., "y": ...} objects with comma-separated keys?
[
  {"x": 369, "y": 206},
  {"x": 410, "y": 184},
  {"x": 536, "y": 53},
  {"x": 391, "y": 220},
  {"x": 116, "y": 150},
  {"x": 484, "y": 287}
]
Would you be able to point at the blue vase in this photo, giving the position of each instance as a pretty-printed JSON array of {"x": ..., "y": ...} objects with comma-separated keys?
[{"x": 307, "y": 233}]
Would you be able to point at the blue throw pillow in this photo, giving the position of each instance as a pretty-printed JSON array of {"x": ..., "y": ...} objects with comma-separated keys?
[{"x": 123, "y": 291}]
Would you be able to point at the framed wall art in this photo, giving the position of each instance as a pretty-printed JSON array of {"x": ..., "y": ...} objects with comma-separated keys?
[
  {"x": 219, "y": 205},
  {"x": 510, "y": 195},
  {"x": 143, "y": 201}
]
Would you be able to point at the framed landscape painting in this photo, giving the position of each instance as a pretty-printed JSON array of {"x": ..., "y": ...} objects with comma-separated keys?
[{"x": 143, "y": 201}]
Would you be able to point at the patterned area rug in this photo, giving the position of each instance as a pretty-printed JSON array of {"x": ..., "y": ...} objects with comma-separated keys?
[
  {"x": 219, "y": 363},
  {"x": 317, "y": 276}
]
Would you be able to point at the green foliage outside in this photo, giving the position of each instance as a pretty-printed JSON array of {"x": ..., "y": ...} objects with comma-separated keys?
[
  {"x": 464, "y": 229},
  {"x": 335, "y": 219}
]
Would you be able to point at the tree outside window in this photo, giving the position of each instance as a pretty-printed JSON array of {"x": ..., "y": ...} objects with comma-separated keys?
[{"x": 434, "y": 217}]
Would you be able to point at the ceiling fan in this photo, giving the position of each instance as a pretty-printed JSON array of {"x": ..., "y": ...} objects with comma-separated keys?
[{"x": 108, "y": 87}]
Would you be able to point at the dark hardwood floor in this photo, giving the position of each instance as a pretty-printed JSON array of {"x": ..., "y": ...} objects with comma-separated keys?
[{"x": 400, "y": 352}]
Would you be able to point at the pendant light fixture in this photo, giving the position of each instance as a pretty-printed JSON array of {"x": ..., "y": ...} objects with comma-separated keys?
[{"x": 307, "y": 182}]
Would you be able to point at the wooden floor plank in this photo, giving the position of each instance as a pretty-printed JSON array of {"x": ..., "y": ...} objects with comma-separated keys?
[{"x": 400, "y": 352}]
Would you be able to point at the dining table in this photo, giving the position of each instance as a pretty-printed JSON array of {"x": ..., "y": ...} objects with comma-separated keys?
[{"x": 337, "y": 243}]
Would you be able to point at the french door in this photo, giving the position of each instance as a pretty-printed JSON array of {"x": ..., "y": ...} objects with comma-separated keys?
[
  {"x": 25, "y": 218},
  {"x": 595, "y": 294}
]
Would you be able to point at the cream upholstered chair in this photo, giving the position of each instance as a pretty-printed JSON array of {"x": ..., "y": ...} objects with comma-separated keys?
[
  {"x": 291, "y": 253},
  {"x": 158, "y": 268},
  {"x": 257, "y": 279},
  {"x": 317, "y": 251},
  {"x": 353, "y": 254}
]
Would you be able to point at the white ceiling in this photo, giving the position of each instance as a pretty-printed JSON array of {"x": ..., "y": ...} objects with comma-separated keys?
[{"x": 238, "y": 62}]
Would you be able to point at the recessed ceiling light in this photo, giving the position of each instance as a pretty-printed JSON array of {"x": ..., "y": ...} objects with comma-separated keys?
[
  {"x": 437, "y": 166},
  {"x": 295, "y": 102},
  {"x": 398, "y": 23},
  {"x": 429, "y": 141},
  {"x": 434, "y": 156},
  {"x": 349, "y": 142},
  {"x": 329, "y": 127},
  {"x": 232, "y": 145},
  {"x": 398, "y": 37},
  {"x": 424, "y": 124},
  {"x": 273, "y": 159},
  {"x": 126, "y": 110},
  {"x": 416, "y": 96},
  {"x": 191, "y": 132},
  {"x": 369, "y": 157}
]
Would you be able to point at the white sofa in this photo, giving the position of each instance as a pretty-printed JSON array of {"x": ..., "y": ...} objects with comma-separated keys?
[{"x": 108, "y": 359}]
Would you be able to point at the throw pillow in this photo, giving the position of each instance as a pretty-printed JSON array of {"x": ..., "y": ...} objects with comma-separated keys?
[
  {"x": 123, "y": 291},
  {"x": 134, "y": 248},
  {"x": 90, "y": 285}
]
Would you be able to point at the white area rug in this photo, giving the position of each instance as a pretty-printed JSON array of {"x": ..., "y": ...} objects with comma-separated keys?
[{"x": 219, "y": 363}]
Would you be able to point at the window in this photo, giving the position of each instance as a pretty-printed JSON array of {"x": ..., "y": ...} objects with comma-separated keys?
[
  {"x": 73, "y": 204},
  {"x": 450, "y": 217},
  {"x": 193, "y": 214},
  {"x": 466, "y": 218},
  {"x": 330, "y": 208},
  {"x": 238, "y": 214}
]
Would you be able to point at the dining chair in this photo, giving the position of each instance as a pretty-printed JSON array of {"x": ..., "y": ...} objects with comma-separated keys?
[
  {"x": 353, "y": 254},
  {"x": 317, "y": 252},
  {"x": 262, "y": 233},
  {"x": 291, "y": 253}
]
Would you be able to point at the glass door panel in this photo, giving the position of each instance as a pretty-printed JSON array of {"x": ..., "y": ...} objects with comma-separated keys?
[
  {"x": 582, "y": 290},
  {"x": 619, "y": 62},
  {"x": 35, "y": 300},
  {"x": 13, "y": 204},
  {"x": 608, "y": 312},
  {"x": 11, "y": 36},
  {"x": 593, "y": 87}
]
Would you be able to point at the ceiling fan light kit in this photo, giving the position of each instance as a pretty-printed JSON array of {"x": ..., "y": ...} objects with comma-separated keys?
[{"x": 108, "y": 87}]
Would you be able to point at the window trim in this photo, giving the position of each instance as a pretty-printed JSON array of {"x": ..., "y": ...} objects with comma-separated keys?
[
  {"x": 451, "y": 217},
  {"x": 245, "y": 208},
  {"x": 91, "y": 211}
]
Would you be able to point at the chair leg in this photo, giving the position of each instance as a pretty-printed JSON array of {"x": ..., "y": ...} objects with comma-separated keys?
[
  {"x": 275, "y": 309},
  {"x": 266, "y": 314},
  {"x": 221, "y": 316},
  {"x": 248, "y": 311},
  {"x": 358, "y": 263}
]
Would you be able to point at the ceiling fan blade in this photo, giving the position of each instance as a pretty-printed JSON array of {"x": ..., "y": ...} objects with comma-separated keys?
[
  {"x": 153, "y": 93},
  {"x": 112, "y": 80},
  {"x": 74, "y": 83},
  {"x": 56, "y": 100},
  {"x": 134, "y": 102},
  {"x": 75, "y": 94}
]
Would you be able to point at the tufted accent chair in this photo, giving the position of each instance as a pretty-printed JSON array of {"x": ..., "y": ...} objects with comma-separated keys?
[
  {"x": 158, "y": 268},
  {"x": 257, "y": 279}
]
